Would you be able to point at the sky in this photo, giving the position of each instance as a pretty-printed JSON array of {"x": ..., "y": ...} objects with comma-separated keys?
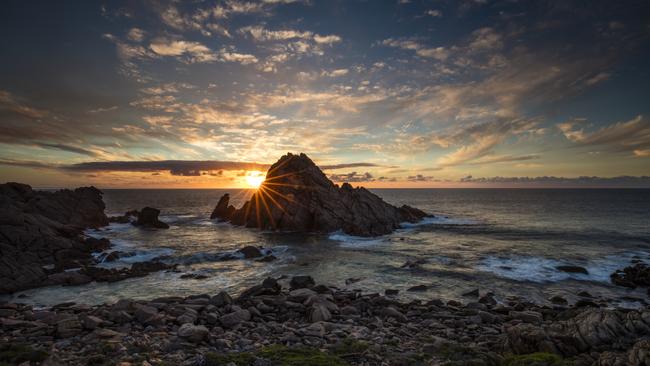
[{"x": 408, "y": 93}]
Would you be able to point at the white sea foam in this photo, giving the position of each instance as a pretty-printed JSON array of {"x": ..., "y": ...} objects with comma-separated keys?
[
  {"x": 438, "y": 220},
  {"x": 351, "y": 241},
  {"x": 544, "y": 270}
]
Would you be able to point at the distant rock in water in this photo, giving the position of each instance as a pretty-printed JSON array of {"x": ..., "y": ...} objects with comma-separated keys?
[
  {"x": 297, "y": 196},
  {"x": 40, "y": 232},
  {"x": 223, "y": 210},
  {"x": 148, "y": 217}
]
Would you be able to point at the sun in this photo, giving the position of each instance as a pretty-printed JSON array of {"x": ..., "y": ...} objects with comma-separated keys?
[{"x": 254, "y": 179}]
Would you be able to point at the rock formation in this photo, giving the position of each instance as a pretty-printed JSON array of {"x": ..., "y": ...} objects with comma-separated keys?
[
  {"x": 40, "y": 232},
  {"x": 148, "y": 217},
  {"x": 297, "y": 196}
]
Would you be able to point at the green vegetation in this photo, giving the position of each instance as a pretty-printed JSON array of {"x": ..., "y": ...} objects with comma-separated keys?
[
  {"x": 536, "y": 359},
  {"x": 349, "y": 347},
  {"x": 14, "y": 354},
  {"x": 278, "y": 355}
]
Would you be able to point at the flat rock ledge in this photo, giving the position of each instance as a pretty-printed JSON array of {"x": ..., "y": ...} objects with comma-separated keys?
[
  {"x": 296, "y": 320},
  {"x": 297, "y": 196}
]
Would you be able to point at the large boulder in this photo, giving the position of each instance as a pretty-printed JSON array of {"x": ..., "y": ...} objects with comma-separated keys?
[
  {"x": 297, "y": 196},
  {"x": 632, "y": 276},
  {"x": 148, "y": 217},
  {"x": 41, "y": 233}
]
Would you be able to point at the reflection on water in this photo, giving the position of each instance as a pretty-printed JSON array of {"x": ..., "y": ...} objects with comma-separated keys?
[{"x": 505, "y": 241}]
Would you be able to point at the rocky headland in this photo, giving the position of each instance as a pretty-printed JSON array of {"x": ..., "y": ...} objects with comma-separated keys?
[
  {"x": 297, "y": 196},
  {"x": 294, "y": 321}
]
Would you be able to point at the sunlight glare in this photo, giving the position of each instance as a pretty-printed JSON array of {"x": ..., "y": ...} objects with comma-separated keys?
[{"x": 254, "y": 179}]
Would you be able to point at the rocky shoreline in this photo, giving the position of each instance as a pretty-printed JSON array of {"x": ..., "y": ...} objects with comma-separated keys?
[{"x": 294, "y": 321}]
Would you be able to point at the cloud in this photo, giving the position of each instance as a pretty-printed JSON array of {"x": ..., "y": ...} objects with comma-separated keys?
[
  {"x": 326, "y": 39},
  {"x": 25, "y": 163},
  {"x": 631, "y": 136},
  {"x": 335, "y": 73},
  {"x": 550, "y": 181},
  {"x": 420, "y": 178},
  {"x": 136, "y": 35},
  {"x": 438, "y": 53},
  {"x": 175, "y": 167},
  {"x": 242, "y": 58},
  {"x": 9, "y": 102},
  {"x": 69, "y": 148},
  {"x": 352, "y": 177},
  {"x": 193, "y": 52},
  {"x": 259, "y": 33},
  {"x": 347, "y": 165},
  {"x": 434, "y": 13}
]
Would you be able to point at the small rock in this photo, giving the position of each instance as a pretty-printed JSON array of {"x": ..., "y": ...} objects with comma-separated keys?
[
  {"x": 473, "y": 293},
  {"x": 250, "y": 252},
  {"x": 417, "y": 288},
  {"x": 232, "y": 319},
  {"x": 319, "y": 313},
  {"x": 301, "y": 282},
  {"x": 221, "y": 299},
  {"x": 194, "y": 333},
  {"x": 391, "y": 292},
  {"x": 572, "y": 269}
]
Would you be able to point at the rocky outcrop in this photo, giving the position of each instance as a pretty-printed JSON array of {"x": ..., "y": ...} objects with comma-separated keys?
[
  {"x": 148, "y": 217},
  {"x": 297, "y": 196},
  {"x": 637, "y": 275},
  {"x": 40, "y": 232},
  {"x": 223, "y": 210}
]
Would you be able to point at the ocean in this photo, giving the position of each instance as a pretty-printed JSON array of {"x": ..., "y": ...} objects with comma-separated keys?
[{"x": 505, "y": 241}]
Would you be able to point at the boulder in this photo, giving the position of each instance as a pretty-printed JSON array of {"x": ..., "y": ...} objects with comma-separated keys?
[
  {"x": 231, "y": 320},
  {"x": 301, "y": 282},
  {"x": 319, "y": 313},
  {"x": 297, "y": 196},
  {"x": 148, "y": 217},
  {"x": 193, "y": 333},
  {"x": 250, "y": 252},
  {"x": 41, "y": 233}
]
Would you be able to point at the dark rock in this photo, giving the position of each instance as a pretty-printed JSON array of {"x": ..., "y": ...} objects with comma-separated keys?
[
  {"x": 301, "y": 282},
  {"x": 193, "y": 276},
  {"x": 139, "y": 269},
  {"x": 148, "y": 217},
  {"x": 414, "y": 263},
  {"x": 558, "y": 300},
  {"x": 350, "y": 281},
  {"x": 391, "y": 292},
  {"x": 221, "y": 299},
  {"x": 572, "y": 269},
  {"x": 473, "y": 293},
  {"x": 418, "y": 288},
  {"x": 297, "y": 196},
  {"x": 267, "y": 258},
  {"x": 97, "y": 245},
  {"x": 194, "y": 333},
  {"x": 223, "y": 210},
  {"x": 250, "y": 252},
  {"x": 637, "y": 275},
  {"x": 585, "y": 294},
  {"x": 41, "y": 233}
]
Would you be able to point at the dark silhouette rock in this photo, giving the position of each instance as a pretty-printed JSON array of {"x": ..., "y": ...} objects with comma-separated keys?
[
  {"x": 250, "y": 252},
  {"x": 637, "y": 275},
  {"x": 297, "y": 196},
  {"x": 223, "y": 210},
  {"x": 301, "y": 282},
  {"x": 148, "y": 217},
  {"x": 41, "y": 233},
  {"x": 572, "y": 269}
]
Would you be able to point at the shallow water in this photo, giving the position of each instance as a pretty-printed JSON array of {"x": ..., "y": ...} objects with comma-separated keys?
[{"x": 507, "y": 241}]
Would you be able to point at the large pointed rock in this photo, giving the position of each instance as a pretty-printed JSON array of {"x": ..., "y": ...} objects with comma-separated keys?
[
  {"x": 297, "y": 196},
  {"x": 223, "y": 210}
]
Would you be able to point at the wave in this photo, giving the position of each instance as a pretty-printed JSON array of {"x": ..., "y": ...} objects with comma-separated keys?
[
  {"x": 351, "y": 241},
  {"x": 544, "y": 270}
]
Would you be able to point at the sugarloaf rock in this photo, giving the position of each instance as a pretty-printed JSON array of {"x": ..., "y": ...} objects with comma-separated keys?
[{"x": 297, "y": 196}]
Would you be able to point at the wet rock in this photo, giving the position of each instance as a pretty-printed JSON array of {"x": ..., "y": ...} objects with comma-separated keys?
[
  {"x": 417, "y": 288},
  {"x": 194, "y": 276},
  {"x": 585, "y": 294},
  {"x": 68, "y": 327},
  {"x": 146, "y": 314},
  {"x": 301, "y": 282},
  {"x": 148, "y": 217},
  {"x": 558, "y": 300},
  {"x": 394, "y": 313},
  {"x": 305, "y": 200},
  {"x": 267, "y": 258},
  {"x": 193, "y": 333},
  {"x": 572, "y": 269},
  {"x": 391, "y": 292},
  {"x": 352, "y": 280},
  {"x": 250, "y": 252},
  {"x": 637, "y": 275},
  {"x": 221, "y": 299},
  {"x": 527, "y": 316},
  {"x": 128, "y": 217},
  {"x": 473, "y": 293}
]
